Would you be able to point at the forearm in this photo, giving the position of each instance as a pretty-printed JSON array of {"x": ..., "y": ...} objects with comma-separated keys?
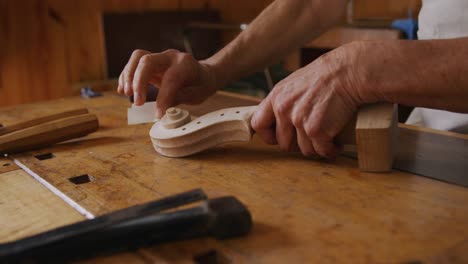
[
  {"x": 279, "y": 29},
  {"x": 430, "y": 73}
]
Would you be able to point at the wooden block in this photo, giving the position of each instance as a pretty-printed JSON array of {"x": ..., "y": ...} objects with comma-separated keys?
[
  {"x": 40, "y": 120},
  {"x": 376, "y": 131},
  {"x": 48, "y": 133}
]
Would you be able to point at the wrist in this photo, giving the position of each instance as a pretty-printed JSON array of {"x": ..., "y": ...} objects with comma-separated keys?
[
  {"x": 216, "y": 73},
  {"x": 370, "y": 62}
]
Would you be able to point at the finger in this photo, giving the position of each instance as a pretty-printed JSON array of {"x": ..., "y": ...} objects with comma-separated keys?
[
  {"x": 285, "y": 134},
  {"x": 170, "y": 85},
  {"x": 148, "y": 66},
  {"x": 263, "y": 122},
  {"x": 325, "y": 148},
  {"x": 130, "y": 68},
  {"x": 120, "y": 87},
  {"x": 305, "y": 145}
]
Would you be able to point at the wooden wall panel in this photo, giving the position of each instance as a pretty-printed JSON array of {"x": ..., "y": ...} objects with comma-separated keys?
[
  {"x": 48, "y": 45},
  {"x": 32, "y": 53},
  {"x": 385, "y": 9},
  {"x": 84, "y": 38}
]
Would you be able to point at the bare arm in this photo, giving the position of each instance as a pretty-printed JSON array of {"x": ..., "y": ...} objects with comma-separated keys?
[
  {"x": 311, "y": 106},
  {"x": 283, "y": 26},
  {"x": 427, "y": 73}
]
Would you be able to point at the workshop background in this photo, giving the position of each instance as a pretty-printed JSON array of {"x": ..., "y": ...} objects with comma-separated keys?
[{"x": 52, "y": 48}]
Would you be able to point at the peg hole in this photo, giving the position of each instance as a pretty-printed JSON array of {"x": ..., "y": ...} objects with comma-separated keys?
[
  {"x": 198, "y": 122},
  {"x": 221, "y": 114},
  {"x": 237, "y": 112},
  {"x": 183, "y": 128},
  {"x": 82, "y": 179},
  {"x": 44, "y": 156}
]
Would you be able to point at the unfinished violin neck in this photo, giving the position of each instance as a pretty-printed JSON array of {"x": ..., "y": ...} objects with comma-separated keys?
[{"x": 177, "y": 135}]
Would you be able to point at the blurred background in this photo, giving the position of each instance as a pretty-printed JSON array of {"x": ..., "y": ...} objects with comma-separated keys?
[{"x": 53, "y": 48}]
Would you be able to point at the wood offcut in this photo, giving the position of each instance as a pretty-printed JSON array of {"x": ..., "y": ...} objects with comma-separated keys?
[{"x": 47, "y": 130}]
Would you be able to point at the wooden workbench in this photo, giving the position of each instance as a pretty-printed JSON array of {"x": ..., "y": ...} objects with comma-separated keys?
[{"x": 304, "y": 210}]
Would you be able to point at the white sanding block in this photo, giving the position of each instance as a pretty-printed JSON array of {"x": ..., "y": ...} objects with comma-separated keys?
[{"x": 142, "y": 114}]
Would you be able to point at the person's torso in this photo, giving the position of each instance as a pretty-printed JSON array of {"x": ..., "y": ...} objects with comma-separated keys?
[{"x": 442, "y": 19}]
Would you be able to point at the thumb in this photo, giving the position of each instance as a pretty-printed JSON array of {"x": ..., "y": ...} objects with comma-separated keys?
[{"x": 263, "y": 121}]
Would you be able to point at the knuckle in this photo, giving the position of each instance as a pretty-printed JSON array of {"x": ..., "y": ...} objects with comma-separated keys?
[
  {"x": 145, "y": 59},
  {"x": 172, "y": 52},
  {"x": 312, "y": 130},
  {"x": 282, "y": 107},
  {"x": 297, "y": 120},
  {"x": 138, "y": 52},
  {"x": 185, "y": 57}
]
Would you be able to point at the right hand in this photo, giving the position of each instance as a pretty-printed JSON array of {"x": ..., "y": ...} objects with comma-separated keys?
[{"x": 179, "y": 77}]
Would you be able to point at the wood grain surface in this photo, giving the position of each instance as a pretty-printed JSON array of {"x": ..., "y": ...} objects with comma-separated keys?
[
  {"x": 304, "y": 210},
  {"x": 21, "y": 199}
]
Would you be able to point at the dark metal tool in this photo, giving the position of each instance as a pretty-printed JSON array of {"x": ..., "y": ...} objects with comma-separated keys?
[{"x": 134, "y": 227}]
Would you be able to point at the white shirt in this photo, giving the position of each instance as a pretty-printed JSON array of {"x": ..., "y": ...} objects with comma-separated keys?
[{"x": 442, "y": 19}]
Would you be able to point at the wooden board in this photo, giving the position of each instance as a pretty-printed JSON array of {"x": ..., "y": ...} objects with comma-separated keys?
[
  {"x": 7, "y": 165},
  {"x": 21, "y": 198},
  {"x": 304, "y": 210},
  {"x": 28, "y": 208}
]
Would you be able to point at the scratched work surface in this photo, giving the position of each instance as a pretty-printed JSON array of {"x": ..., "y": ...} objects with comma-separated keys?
[{"x": 304, "y": 210}]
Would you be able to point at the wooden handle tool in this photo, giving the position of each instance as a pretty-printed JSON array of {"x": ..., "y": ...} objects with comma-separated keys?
[
  {"x": 373, "y": 132},
  {"x": 47, "y": 130}
]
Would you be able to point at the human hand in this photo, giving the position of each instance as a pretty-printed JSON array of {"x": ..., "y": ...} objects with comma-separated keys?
[
  {"x": 179, "y": 77},
  {"x": 310, "y": 107}
]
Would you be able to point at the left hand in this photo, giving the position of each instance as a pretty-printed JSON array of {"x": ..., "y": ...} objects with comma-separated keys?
[{"x": 311, "y": 106}]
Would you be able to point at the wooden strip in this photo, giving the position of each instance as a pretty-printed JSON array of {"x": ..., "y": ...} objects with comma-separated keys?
[
  {"x": 40, "y": 120},
  {"x": 437, "y": 154}
]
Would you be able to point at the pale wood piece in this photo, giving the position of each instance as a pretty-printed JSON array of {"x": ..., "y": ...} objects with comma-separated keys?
[
  {"x": 373, "y": 131},
  {"x": 48, "y": 133},
  {"x": 40, "y": 120},
  {"x": 304, "y": 210},
  {"x": 376, "y": 132}
]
